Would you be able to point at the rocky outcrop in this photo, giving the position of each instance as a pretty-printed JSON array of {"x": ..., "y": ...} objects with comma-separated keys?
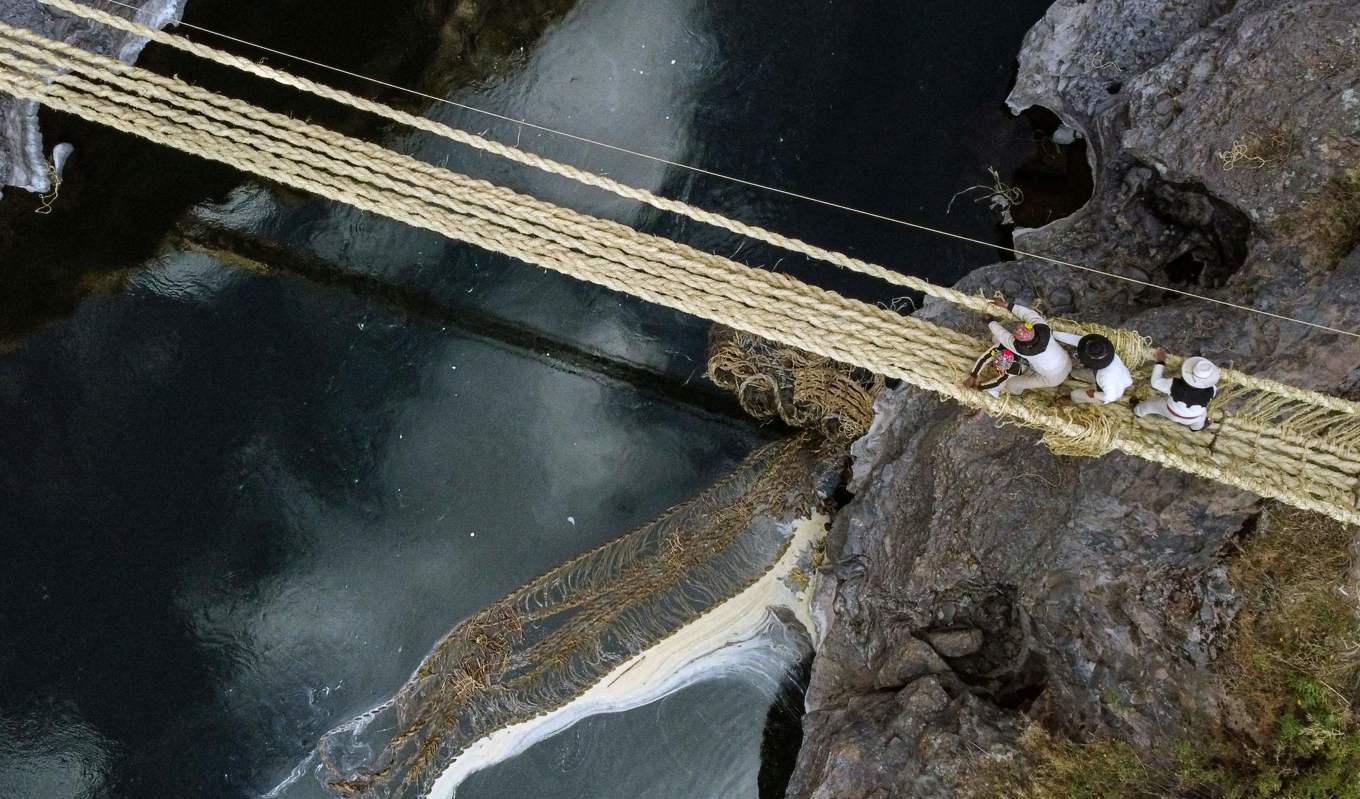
[
  {"x": 23, "y": 163},
  {"x": 976, "y": 581}
]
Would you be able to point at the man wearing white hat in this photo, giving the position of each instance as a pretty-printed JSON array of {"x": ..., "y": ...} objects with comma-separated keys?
[
  {"x": 1188, "y": 396},
  {"x": 1049, "y": 364}
]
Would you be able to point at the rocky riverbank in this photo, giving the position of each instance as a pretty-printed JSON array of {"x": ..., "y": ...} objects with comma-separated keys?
[{"x": 978, "y": 584}]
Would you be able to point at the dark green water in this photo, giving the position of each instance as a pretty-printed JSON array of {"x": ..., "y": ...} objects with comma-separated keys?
[{"x": 237, "y": 509}]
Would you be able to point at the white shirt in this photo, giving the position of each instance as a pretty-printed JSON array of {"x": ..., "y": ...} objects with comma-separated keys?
[
  {"x": 1113, "y": 380},
  {"x": 1053, "y": 363},
  {"x": 1163, "y": 384}
]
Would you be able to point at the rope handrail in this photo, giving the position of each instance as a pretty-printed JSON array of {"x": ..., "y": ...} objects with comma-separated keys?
[
  {"x": 1310, "y": 459},
  {"x": 590, "y": 178},
  {"x": 1133, "y": 348}
]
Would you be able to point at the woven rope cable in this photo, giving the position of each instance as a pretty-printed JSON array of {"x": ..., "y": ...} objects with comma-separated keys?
[
  {"x": 1133, "y": 350},
  {"x": 1294, "y": 467}
]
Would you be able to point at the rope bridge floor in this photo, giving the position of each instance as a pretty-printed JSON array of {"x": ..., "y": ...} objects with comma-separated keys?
[{"x": 1269, "y": 438}]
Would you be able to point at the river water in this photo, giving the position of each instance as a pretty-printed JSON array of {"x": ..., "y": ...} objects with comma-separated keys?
[{"x": 237, "y": 508}]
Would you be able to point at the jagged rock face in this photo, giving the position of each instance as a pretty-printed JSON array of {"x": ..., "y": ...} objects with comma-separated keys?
[
  {"x": 897, "y": 743},
  {"x": 1294, "y": 113},
  {"x": 22, "y": 160},
  {"x": 977, "y": 570}
]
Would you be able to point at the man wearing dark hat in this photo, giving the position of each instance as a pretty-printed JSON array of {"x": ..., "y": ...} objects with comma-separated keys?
[
  {"x": 1032, "y": 339},
  {"x": 1101, "y": 365}
]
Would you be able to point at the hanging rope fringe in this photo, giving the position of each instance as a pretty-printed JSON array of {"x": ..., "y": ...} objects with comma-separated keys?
[
  {"x": 1134, "y": 348},
  {"x": 550, "y": 641},
  {"x": 1272, "y": 439},
  {"x": 1097, "y": 437}
]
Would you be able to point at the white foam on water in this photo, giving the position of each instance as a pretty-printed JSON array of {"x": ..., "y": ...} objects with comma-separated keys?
[
  {"x": 734, "y": 637},
  {"x": 739, "y": 636}
]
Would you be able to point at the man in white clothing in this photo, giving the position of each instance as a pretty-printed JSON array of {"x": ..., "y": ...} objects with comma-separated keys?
[
  {"x": 1102, "y": 366},
  {"x": 1188, "y": 396},
  {"x": 1033, "y": 340}
]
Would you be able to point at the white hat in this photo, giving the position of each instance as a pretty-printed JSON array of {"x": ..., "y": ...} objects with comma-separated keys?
[{"x": 1199, "y": 372}]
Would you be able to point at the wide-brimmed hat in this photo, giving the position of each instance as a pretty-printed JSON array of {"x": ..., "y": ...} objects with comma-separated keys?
[
  {"x": 1199, "y": 372},
  {"x": 1095, "y": 351}
]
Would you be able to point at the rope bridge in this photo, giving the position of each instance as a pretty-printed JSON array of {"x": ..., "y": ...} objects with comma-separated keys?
[{"x": 1271, "y": 439}]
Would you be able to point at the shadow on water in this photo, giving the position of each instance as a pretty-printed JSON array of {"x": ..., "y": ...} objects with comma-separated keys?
[
  {"x": 150, "y": 442},
  {"x": 121, "y": 194},
  {"x": 783, "y": 735},
  {"x": 256, "y": 254},
  {"x": 167, "y": 498}
]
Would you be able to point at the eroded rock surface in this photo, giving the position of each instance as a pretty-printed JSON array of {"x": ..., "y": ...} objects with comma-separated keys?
[
  {"x": 23, "y": 163},
  {"x": 979, "y": 581}
]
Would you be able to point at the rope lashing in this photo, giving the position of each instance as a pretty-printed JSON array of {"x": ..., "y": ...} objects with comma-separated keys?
[
  {"x": 802, "y": 390},
  {"x": 1273, "y": 440}
]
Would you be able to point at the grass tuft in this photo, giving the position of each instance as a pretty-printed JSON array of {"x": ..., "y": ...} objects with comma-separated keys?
[
  {"x": 1294, "y": 663},
  {"x": 1330, "y": 221}
]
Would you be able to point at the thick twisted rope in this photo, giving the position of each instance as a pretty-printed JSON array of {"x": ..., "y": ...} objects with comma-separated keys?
[
  {"x": 1274, "y": 462},
  {"x": 1134, "y": 349},
  {"x": 975, "y": 303}
]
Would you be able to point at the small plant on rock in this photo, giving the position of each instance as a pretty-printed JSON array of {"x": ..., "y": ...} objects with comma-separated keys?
[{"x": 999, "y": 196}]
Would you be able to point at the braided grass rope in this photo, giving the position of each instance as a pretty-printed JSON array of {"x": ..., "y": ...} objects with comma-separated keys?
[
  {"x": 540, "y": 647},
  {"x": 1132, "y": 347},
  {"x": 1271, "y": 439}
]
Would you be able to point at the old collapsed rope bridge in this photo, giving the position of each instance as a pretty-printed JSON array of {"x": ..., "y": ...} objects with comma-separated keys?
[{"x": 1271, "y": 439}]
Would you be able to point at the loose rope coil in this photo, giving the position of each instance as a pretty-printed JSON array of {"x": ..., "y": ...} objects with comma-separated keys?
[
  {"x": 801, "y": 389},
  {"x": 1272, "y": 439}
]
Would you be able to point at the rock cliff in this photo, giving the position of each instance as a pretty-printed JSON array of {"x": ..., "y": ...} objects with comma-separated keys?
[{"x": 977, "y": 582}]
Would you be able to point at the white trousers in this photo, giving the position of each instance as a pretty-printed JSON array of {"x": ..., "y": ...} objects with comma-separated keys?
[
  {"x": 1079, "y": 394},
  {"x": 1157, "y": 407},
  {"x": 1031, "y": 379}
]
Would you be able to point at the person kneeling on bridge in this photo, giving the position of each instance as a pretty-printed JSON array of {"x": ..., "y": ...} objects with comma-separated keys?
[
  {"x": 1188, "y": 396},
  {"x": 1033, "y": 340},
  {"x": 1005, "y": 366},
  {"x": 1102, "y": 366}
]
